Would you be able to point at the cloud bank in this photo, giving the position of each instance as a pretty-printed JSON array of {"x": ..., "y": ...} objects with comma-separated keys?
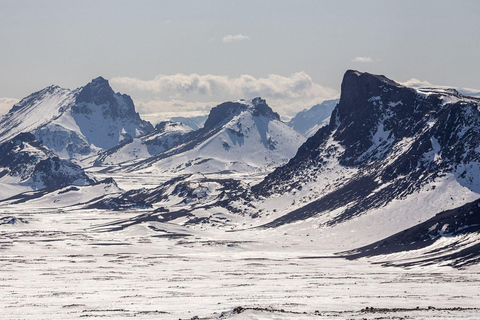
[
  {"x": 287, "y": 94},
  {"x": 296, "y": 86},
  {"x": 235, "y": 38},
  {"x": 416, "y": 83},
  {"x": 6, "y": 104},
  {"x": 362, "y": 59}
]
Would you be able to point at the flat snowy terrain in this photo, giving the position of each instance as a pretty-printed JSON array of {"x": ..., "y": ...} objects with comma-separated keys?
[{"x": 65, "y": 265}]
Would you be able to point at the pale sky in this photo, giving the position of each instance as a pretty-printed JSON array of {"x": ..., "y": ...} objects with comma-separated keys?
[{"x": 190, "y": 55}]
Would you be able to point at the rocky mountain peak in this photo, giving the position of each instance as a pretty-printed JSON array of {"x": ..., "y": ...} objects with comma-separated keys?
[
  {"x": 98, "y": 95},
  {"x": 367, "y": 101},
  {"x": 261, "y": 108},
  {"x": 395, "y": 140},
  {"x": 224, "y": 112},
  {"x": 98, "y": 92}
]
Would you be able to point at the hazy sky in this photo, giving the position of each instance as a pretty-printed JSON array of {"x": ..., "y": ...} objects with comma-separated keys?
[{"x": 187, "y": 55}]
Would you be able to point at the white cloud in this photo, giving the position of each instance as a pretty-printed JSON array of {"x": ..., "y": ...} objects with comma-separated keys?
[
  {"x": 6, "y": 104},
  {"x": 296, "y": 86},
  {"x": 416, "y": 83},
  {"x": 236, "y": 38},
  {"x": 362, "y": 59},
  {"x": 181, "y": 91},
  {"x": 155, "y": 106}
]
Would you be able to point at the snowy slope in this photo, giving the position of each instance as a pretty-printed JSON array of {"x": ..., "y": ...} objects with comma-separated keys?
[
  {"x": 449, "y": 238},
  {"x": 99, "y": 120},
  {"x": 195, "y": 123},
  {"x": 166, "y": 135},
  {"x": 238, "y": 136},
  {"x": 26, "y": 164},
  {"x": 36, "y": 110},
  {"x": 308, "y": 121},
  {"x": 76, "y": 123}
]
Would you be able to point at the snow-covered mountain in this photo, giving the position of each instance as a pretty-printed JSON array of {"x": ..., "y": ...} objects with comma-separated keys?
[
  {"x": 26, "y": 164},
  {"x": 390, "y": 158},
  {"x": 308, "y": 121},
  {"x": 238, "y": 136},
  {"x": 35, "y": 111},
  {"x": 76, "y": 123},
  {"x": 389, "y": 153},
  {"x": 193, "y": 122},
  {"x": 167, "y": 134}
]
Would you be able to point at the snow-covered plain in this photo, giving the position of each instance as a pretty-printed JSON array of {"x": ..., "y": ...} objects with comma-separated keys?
[{"x": 68, "y": 264}]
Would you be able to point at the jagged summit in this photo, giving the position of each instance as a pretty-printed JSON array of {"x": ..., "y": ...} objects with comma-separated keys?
[
  {"x": 76, "y": 123},
  {"x": 97, "y": 91},
  {"x": 224, "y": 112}
]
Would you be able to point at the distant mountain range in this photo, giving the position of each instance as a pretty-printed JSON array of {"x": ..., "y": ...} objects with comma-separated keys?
[
  {"x": 383, "y": 158},
  {"x": 308, "y": 121}
]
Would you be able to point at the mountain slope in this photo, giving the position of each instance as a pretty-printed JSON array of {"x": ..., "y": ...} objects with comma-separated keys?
[
  {"x": 451, "y": 237},
  {"x": 238, "y": 136},
  {"x": 26, "y": 164},
  {"x": 385, "y": 143},
  {"x": 166, "y": 135},
  {"x": 36, "y": 110},
  {"x": 308, "y": 121},
  {"x": 99, "y": 120},
  {"x": 193, "y": 122},
  {"x": 76, "y": 123}
]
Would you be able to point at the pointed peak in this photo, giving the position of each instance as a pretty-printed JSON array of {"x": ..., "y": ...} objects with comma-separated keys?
[
  {"x": 99, "y": 80},
  {"x": 225, "y": 111},
  {"x": 258, "y": 101},
  {"x": 51, "y": 87},
  {"x": 97, "y": 91},
  {"x": 261, "y": 108}
]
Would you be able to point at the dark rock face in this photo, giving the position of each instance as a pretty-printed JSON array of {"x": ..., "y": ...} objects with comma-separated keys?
[
  {"x": 106, "y": 119},
  {"x": 396, "y": 137},
  {"x": 98, "y": 92},
  {"x": 15, "y": 159},
  {"x": 262, "y": 109},
  {"x": 222, "y": 113},
  {"x": 54, "y": 173},
  {"x": 37, "y": 166}
]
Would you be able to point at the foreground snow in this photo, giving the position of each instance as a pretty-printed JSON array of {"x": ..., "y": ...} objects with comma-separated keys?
[{"x": 65, "y": 265}]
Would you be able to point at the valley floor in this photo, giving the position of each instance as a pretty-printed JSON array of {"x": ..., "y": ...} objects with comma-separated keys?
[{"x": 60, "y": 266}]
